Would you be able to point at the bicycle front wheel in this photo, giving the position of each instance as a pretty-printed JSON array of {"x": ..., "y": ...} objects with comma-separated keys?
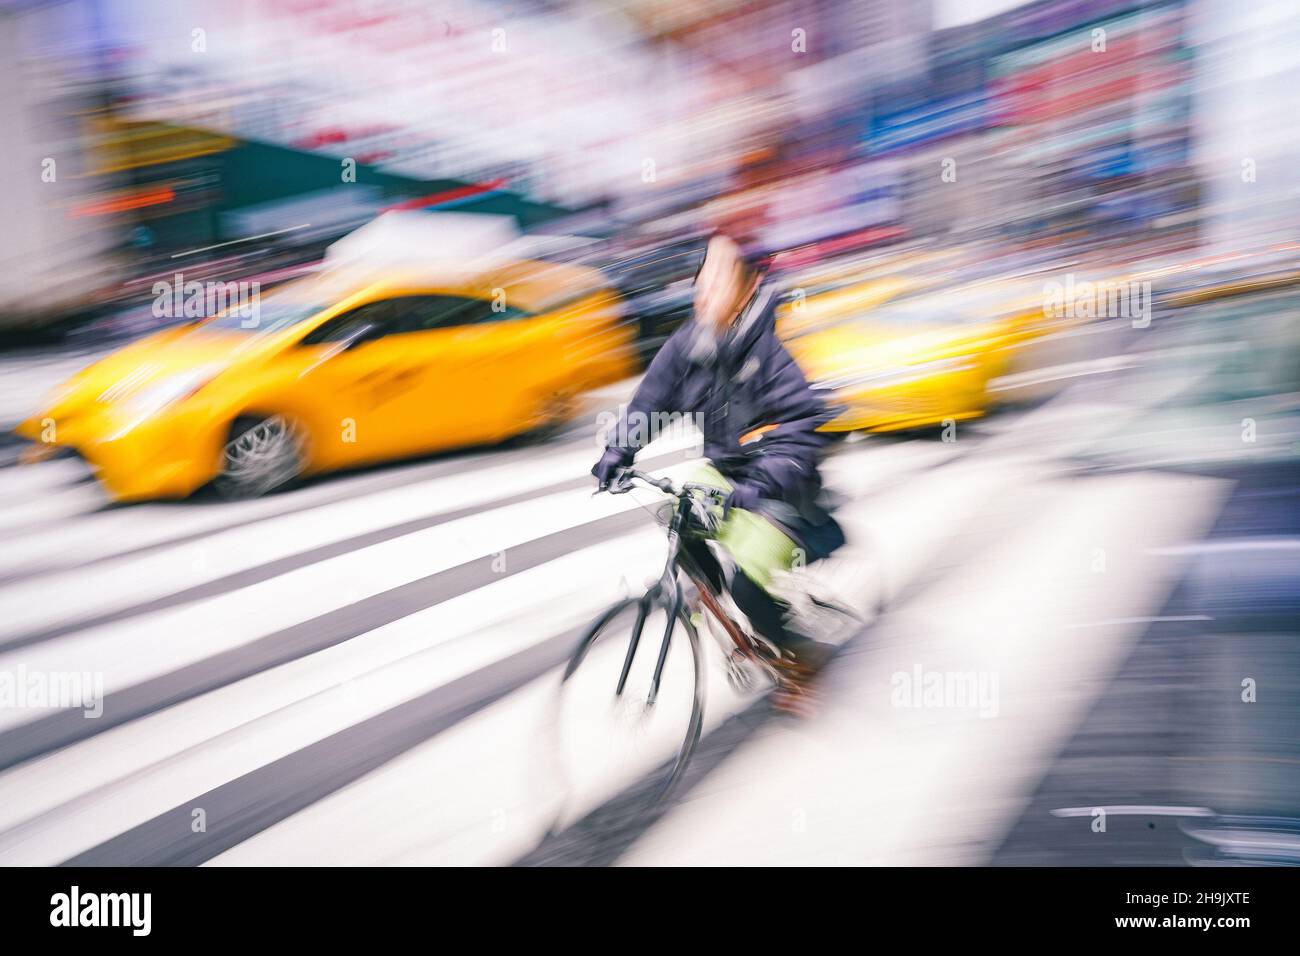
[{"x": 617, "y": 731}]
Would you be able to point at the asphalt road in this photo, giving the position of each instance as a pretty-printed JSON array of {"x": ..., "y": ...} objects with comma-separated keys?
[{"x": 359, "y": 671}]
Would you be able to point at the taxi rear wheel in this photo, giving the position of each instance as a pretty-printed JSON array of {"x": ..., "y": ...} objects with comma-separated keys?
[{"x": 261, "y": 455}]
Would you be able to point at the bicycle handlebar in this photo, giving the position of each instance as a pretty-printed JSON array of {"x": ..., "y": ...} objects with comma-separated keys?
[{"x": 624, "y": 478}]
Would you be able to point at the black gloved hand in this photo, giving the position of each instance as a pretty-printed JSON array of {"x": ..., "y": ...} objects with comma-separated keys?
[
  {"x": 609, "y": 463},
  {"x": 743, "y": 496}
]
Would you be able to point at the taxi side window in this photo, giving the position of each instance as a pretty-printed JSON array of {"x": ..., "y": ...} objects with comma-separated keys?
[
  {"x": 342, "y": 327},
  {"x": 424, "y": 313},
  {"x": 410, "y": 313}
]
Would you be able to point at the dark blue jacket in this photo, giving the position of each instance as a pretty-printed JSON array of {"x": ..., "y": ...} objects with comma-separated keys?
[{"x": 731, "y": 387}]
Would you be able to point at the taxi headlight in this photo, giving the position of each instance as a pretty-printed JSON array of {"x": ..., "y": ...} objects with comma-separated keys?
[
  {"x": 154, "y": 397},
  {"x": 158, "y": 395}
]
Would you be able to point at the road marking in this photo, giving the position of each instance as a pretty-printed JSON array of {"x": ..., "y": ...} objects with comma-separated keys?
[{"x": 873, "y": 783}]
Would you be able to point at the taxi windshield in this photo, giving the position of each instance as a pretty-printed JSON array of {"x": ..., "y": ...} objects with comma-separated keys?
[{"x": 264, "y": 314}]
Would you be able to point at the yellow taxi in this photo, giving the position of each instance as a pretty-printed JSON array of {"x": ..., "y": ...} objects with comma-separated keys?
[
  {"x": 344, "y": 368},
  {"x": 893, "y": 358}
]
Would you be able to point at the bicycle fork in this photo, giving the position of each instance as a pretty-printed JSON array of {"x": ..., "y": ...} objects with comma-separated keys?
[
  {"x": 643, "y": 608},
  {"x": 674, "y": 605}
]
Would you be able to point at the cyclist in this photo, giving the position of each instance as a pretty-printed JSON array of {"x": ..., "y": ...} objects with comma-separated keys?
[{"x": 726, "y": 367}]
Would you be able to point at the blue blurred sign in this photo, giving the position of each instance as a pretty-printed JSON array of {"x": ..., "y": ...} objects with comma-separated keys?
[{"x": 930, "y": 121}]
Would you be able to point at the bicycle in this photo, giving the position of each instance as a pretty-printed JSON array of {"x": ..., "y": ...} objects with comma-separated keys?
[{"x": 661, "y": 694}]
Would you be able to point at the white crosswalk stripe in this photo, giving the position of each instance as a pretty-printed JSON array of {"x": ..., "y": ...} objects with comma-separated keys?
[
  {"x": 903, "y": 764},
  {"x": 122, "y": 583},
  {"x": 152, "y": 597},
  {"x": 142, "y": 768}
]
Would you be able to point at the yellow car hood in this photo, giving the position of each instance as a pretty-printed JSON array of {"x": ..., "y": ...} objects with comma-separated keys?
[
  {"x": 863, "y": 346},
  {"x": 827, "y": 308},
  {"x": 133, "y": 368}
]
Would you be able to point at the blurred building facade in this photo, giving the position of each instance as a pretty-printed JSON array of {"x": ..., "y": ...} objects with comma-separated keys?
[{"x": 1055, "y": 122}]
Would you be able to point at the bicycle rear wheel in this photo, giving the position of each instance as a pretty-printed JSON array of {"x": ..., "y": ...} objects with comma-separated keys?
[{"x": 612, "y": 738}]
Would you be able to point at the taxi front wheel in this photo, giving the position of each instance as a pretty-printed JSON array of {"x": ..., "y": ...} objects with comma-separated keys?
[{"x": 261, "y": 455}]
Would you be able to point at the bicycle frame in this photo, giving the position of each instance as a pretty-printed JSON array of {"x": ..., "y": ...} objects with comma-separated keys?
[{"x": 680, "y": 562}]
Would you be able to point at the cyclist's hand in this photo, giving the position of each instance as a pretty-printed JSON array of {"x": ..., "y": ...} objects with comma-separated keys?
[
  {"x": 742, "y": 496},
  {"x": 607, "y": 468}
]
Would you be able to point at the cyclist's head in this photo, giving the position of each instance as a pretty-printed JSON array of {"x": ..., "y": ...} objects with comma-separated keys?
[{"x": 724, "y": 283}]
